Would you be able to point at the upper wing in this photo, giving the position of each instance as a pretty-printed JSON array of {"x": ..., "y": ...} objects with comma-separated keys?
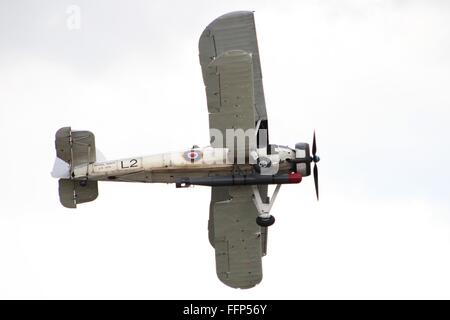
[
  {"x": 236, "y": 237},
  {"x": 232, "y": 81},
  {"x": 230, "y": 94}
]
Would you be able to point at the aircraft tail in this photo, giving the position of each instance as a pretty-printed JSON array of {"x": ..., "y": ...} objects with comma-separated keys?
[{"x": 74, "y": 148}]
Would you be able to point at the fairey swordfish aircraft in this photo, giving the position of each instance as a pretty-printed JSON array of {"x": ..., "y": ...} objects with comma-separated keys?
[{"x": 238, "y": 165}]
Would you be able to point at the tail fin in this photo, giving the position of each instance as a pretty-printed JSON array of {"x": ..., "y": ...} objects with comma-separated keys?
[{"x": 74, "y": 148}]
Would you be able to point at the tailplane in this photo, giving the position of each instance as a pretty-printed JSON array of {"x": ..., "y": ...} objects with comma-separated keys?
[{"x": 74, "y": 148}]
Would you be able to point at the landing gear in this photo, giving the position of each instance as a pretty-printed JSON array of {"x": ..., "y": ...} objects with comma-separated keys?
[
  {"x": 264, "y": 219},
  {"x": 265, "y": 222}
]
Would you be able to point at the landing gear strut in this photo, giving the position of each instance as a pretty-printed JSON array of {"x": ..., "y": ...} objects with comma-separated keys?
[{"x": 264, "y": 219}]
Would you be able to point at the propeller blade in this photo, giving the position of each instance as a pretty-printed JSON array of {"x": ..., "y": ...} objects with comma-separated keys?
[
  {"x": 314, "y": 148},
  {"x": 316, "y": 180}
]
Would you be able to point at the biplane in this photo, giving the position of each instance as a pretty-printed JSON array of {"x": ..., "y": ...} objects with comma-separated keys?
[{"x": 239, "y": 165}]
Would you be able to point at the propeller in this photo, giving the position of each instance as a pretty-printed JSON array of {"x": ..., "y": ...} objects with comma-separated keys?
[{"x": 315, "y": 159}]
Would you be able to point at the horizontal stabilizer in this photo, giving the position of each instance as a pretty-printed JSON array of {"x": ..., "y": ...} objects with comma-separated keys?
[
  {"x": 73, "y": 192},
  {"x": 74, "y": 148}
]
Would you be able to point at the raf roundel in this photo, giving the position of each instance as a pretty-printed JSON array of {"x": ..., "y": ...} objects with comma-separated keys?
[{"x": 192, "y": 155}]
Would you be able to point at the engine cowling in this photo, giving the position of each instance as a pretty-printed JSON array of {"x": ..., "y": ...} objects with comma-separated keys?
[{"x": 303, "y": 159}]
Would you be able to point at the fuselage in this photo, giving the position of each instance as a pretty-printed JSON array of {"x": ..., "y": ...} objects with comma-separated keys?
[{"x": 191, "y": 163}]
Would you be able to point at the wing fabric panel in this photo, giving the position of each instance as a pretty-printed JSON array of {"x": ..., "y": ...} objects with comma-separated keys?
[
  {"x": 221, "y": 194},
  {"x": 237, "y": 239},
  {"x": 217, "y": 194},
  {"x": 232, "y": 92},
  {"x": 232, "y": 31}
]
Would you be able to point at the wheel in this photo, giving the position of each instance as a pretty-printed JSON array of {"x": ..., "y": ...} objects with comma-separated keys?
[{"x": 265, "y": 222}]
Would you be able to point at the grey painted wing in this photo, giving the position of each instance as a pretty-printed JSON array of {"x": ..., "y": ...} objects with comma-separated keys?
[
  {"x": 232, "y": 31},
  {"x": 219, "y": 194},
  {"x": 230, "y": 95},
  {"x": 237, "y": 239}
]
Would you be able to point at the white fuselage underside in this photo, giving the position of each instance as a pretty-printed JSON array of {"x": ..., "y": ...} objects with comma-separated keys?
[{"x": 166, "y": 167}]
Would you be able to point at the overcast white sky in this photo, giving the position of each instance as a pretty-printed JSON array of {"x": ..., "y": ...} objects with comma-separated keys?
[{"x": 372, "y": 77}]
